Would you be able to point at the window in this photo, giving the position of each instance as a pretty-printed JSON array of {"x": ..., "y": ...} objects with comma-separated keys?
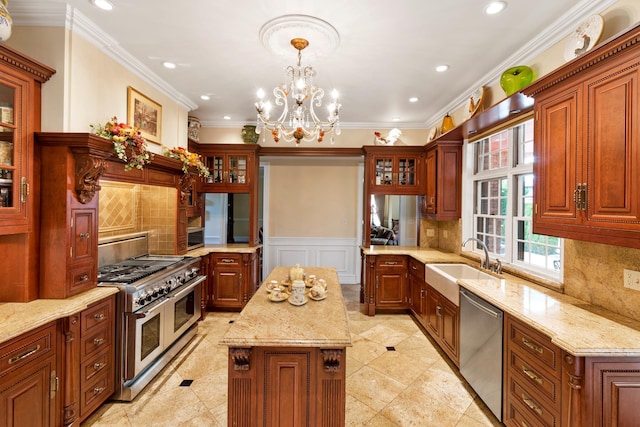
[{"x": 499, "y": 174}]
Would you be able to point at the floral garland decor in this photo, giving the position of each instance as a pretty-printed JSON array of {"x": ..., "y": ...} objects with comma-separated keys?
[
  {"x": 125, "y": 137},
  {"x": 188, "y": 160}
]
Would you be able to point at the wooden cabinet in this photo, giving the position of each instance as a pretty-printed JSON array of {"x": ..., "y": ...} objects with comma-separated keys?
[
  {"x": 233, "y": 279},
  {"x": 233, "y": 167},
  {"x": 533, "y": 368},
  {"x": 29, "y": 379},
  {"x": 391, "y": 281},
  {"x": 204, "y": 271},
  {"x": 394, "y": 170},
  {"x": 70, "y": 169},
  {"x": 442, "y": 321},
  {"x": 587, "y": 146},
  {"x": 442, "y": 200},
  {"x": 417, "y": 289}
]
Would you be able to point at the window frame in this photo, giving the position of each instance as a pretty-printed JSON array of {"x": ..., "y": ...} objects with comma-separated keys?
[{"x": 513, "y": 171}]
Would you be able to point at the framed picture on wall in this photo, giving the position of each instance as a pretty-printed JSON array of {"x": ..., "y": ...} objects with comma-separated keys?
[{"x": 145, "y": 114}]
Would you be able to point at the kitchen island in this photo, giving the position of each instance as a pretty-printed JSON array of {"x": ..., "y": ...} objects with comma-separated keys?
[{"x": 286, "y": 362}]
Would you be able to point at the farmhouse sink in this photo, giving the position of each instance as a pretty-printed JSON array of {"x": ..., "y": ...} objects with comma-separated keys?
[{"x": 444, "y": 278}]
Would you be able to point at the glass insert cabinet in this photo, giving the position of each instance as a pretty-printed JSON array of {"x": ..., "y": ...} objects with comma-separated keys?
[
  {"x": 9, "y": 150},
  {"x": 231, "y": 169}
]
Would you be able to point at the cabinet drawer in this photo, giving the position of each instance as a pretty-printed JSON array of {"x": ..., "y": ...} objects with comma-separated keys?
[
  {"x": 533, "y": 344},
  {"x": 517, "y": 416},
  {"x": 97, "y": 341},
  {"x": 97, "y": 317},
  {"x": 94, "y": 366},
  {"x": 27, "y": 348},
  {"x": 227, "y": 260},
  {"x": 93, "y": 393},
  {"x": 82, "y": 278},
  {"x": 391, "y": 261},
  {"x": 533, "y": 407},
  {"x": 416, "y": 268},
  {"x": 538, "y": 379}
]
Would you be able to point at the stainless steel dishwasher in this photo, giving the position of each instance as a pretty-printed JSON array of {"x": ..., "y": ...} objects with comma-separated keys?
[{"x": 481, "y": 348}]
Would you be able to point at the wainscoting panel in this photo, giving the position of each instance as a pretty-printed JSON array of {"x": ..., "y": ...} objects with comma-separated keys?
[{"x": 343, "y": 254}]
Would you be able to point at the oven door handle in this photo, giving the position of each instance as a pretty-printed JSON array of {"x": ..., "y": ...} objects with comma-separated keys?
[
  {"x": 187, "y": 288},
  {"x": 148, "y": 310}
]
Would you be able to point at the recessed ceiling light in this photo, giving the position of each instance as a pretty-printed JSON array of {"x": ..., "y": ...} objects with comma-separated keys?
[
  {"x": 442, "y": 68},
  {"x": 413, "y": 99},
  {"x": 395, "y": 119},
  {"x": 205, "y": 97},
  {"x": 169, "y": 65},
  {"x": 227, "y": 117},
  {"x": 495, "y": 7},
  {"x": 102, "y": 4}
]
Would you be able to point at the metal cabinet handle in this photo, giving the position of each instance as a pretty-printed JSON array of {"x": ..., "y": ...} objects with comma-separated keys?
[
  {"x": 98, "y": 390},
  {"x": 84, "y": 235},
  {"x": 391, "y": 262},
  {"x": 98, "y": 365},
  {"x": 439, "y": 311},
  {"x": 531, "y": 404},
  {"x": 24, "y": 355},
  {"x": 226, "y": 260},
  {"x": 532, "y": 346},
  {"x": 532, "y": 374},
  {"x": 84, "y": 277},
  {"x": 98, "y": 341},
  {"x": 98, "y": 317}
]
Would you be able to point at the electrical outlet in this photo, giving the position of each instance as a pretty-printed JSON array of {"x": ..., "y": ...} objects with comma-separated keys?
[
  {"x": 431, "y": 232},
  {"x": 632, "y": 279}
]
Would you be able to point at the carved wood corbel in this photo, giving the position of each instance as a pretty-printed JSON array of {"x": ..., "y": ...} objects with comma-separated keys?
[
  {"x": 241, "y": 358},
  {"x": 184, "y": 186},
  {"x": 89, "y": 169},
  {"x": 331, "y": 359}
]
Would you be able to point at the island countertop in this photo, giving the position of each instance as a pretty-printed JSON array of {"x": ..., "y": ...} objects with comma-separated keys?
[{"x": 314, "y": 324}]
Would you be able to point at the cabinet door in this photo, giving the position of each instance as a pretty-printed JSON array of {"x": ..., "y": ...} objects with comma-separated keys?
[
  {"x": 14, "y": 155},
  {"x": 83, "y": 235},
  {"x": 433, "y": 319},
  {"x": 181, "y": 231},
  {"x": 390, "y": 291},
  {"x": 450, "y": 329},
  {"x": 556, "y": 167},
  {"x": 432, "y": 182},
  {"x": 384, "y": 171},
  {"x": 26, "y": 402},
  {"x": 613, "y": 149}
]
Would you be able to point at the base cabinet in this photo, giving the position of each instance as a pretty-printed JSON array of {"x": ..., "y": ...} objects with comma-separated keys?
[
  {"x": 442, "y": 321},
  {"x": 385, "y": 282},
  {"x": 28, "y": 379},
  {"x": 233, "y": 279},
  {"x": 417, "y": 290}
]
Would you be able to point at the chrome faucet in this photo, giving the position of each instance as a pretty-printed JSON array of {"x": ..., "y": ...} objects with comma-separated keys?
[{"x": 487, "y": 262}]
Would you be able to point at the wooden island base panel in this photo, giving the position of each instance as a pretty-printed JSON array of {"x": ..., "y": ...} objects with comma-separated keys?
[{"x": 287, "y": 363}]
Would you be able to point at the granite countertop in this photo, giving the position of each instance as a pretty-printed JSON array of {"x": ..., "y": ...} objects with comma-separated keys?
[
  {"x": 280, "y": 324},
  {"x": 17, "y": 318},
  {"x": 240, "y": 248},
  {"x": 574, "y": 325}
]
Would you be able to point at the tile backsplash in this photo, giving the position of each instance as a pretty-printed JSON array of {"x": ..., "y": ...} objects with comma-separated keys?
[{"x": 127, "y": 208}]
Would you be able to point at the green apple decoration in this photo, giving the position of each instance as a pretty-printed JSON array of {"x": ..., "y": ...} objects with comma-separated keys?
[{"x": 516, "y": 78}]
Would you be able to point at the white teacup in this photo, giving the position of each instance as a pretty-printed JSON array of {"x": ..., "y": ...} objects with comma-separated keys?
[{"x": 317, "y": 291}]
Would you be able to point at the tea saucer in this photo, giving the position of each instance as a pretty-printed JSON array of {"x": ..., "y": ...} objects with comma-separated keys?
[
  {"x": 298, "y": 304},
  {"x": 275, "y": 299},
  {"x": 320, "y": 298}
]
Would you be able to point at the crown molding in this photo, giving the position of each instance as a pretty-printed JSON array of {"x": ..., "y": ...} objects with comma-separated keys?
[
  {"x": 553, "y": 34},
  {"x": 47, "y": 15}
]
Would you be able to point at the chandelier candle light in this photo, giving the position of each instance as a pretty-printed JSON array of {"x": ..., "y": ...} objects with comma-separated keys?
[{"x": 297, "y": 122}]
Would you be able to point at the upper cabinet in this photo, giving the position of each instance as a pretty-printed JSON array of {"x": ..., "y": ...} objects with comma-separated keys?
[
  {"x": 587, "y": 146},
  {"x": 394, "y": 170},
  {"x": 233, "y": 167},
  {"x": 20, "y": 92},
  {"x": 442, "y": 200}
]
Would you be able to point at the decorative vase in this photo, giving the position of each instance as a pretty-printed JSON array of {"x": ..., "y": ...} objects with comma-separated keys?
[
  {"x": 249, "y": 134},
  {"x": 516, "y": 78},
  {"x": 447, "y": 124},
  {"x": 194, "y": 128},
  {"x": 5, "y": 21}
]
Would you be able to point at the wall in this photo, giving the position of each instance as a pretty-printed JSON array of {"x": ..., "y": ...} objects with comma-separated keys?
[{"x": 89, "y": 87}]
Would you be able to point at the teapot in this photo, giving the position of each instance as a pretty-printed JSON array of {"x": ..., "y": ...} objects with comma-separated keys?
[{"x": 296, "y": 273}]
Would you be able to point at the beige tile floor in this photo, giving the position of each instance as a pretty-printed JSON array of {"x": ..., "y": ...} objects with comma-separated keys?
[{"x": 411, "y": 386}]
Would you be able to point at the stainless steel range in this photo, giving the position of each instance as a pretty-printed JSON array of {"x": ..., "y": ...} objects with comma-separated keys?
[{"x": 158, "y": 307}]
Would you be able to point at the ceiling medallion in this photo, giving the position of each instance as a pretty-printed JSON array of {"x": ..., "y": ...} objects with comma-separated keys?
[{"x": 276, "y": 35}]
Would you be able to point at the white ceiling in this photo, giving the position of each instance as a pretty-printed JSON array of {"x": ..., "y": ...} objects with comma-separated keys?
[{"x": 387, "y": 51}]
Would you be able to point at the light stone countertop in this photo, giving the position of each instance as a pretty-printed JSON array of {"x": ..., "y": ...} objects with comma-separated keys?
[
  {"x": 264, "y": 323},
  {"x": 574, "y": 325},
  {"x": 239, "y": 248},
  {"x": 17, "y": 318}
]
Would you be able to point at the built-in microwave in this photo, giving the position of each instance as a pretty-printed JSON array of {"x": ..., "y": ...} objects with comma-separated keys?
[{"x": 195, "y": 237}]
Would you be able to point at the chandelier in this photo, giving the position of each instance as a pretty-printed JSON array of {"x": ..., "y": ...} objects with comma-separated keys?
[{"x": 296, "y": 121}]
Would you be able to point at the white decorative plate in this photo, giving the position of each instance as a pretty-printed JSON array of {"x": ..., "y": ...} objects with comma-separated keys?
[
  {"x": 584, "y": 37},
  {"x": 299, "y": 304},
  {"x": 432, "y": 134},
  {"x": 474, "y": 103}
]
